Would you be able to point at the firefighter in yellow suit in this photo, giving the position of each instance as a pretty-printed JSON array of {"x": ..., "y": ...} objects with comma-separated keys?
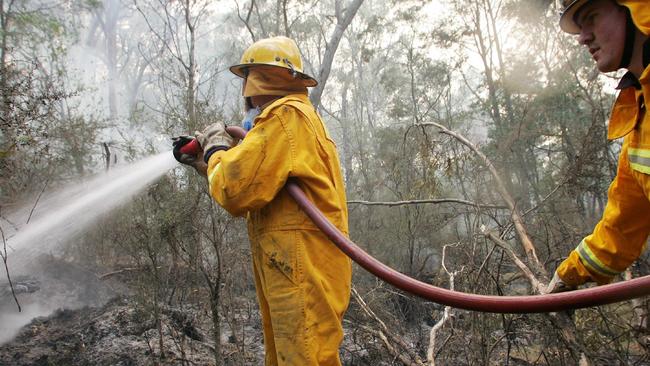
[
  {"x": 616, "y": 34},
  {"x": 302, "y": 279}
]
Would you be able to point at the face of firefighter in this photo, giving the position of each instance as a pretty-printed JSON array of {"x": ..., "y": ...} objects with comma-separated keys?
[{"x": 602, "y": 31}]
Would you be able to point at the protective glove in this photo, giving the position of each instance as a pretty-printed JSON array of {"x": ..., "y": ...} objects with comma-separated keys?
[
  {"x": 214, "y": 138},
  {"x": 557, "y": 285}
]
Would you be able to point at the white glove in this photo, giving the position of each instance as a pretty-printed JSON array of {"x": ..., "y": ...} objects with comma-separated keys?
[
  {"x": 214, "y": 137},
  {"x": 557, "y": 285}
]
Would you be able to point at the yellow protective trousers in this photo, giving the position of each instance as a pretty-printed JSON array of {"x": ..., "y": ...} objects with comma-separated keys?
[
  {"x": 302, "y": 289},
  {"x": 302, "y": 279}
]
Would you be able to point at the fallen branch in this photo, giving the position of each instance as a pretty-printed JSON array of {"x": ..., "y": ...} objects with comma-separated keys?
[
  {"x": 540, "y": 203},
  {"x": 384, "y": 333},
  {"x": 381, "y": 335},
  {"x": 534, "y": 282},
  {"x": 109, "y": 274},
  {"x": 639, "y": 308}
]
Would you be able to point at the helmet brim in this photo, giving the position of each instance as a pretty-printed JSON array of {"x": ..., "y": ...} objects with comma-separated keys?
[
  {"x": 238, "y": 70},
  {"x": 567, "y": 19}
]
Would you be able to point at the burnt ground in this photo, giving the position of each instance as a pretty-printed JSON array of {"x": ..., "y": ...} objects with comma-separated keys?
[
  {"x": 70, "y": 316},
  {"x": 114, "y": 334},
  {"x": 47, "y": 285}
]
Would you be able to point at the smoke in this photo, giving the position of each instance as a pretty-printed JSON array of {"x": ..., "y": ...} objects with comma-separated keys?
[
  {"x": 12, "y": 321},
  {"x": 50, "y": 285}
]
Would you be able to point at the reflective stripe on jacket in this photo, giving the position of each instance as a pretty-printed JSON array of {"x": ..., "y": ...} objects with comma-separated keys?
[{"x": 620, "y": 236}]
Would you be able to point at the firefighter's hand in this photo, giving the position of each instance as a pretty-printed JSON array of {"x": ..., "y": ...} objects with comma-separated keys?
[
  {"x": 214, "y": 138},
  {"x": 200, "y": 165},
  {"x": 557, "y": 285}
]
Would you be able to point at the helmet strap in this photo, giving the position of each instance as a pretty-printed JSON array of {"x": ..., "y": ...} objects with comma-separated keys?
[
  {"x": 249, "y": 103},
  {"x": 294, "y": 73},
  {"x": 630, "y": 37},
  {"x": 646, "y": 53}
]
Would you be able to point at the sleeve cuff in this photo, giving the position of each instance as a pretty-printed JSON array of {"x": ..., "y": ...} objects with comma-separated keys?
[
  {"x": 212, "y": 150},
  {"x": 574, "y": 273}
]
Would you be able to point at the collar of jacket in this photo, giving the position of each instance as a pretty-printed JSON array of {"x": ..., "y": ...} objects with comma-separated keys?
[
  {"x": 626, "y": 110},
  {"x": 267, "y": 110},
  {"x": 629, "y": 80}
]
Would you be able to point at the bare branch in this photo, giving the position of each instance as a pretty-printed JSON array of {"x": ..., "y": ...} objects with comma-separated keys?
[
  {"x": 4, "y": 256},
  {"x": 260, "y": 18},
  {"x": 36, "y": 202},
  {"x": 418, "y": 202},
  {"x": 446, "y": 314},
  {"x": 529, "y": 248},
  {"x": 534, "y": 282},
  {"x": 248, "y": 18},
  {"x": 343, "y": 20}
]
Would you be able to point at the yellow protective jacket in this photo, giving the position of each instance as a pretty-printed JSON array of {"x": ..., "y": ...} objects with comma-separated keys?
[
  {"x": 288, "y": 140},
  {"x": 302, "y": 279},
  {"x": 620, "y": 236}
]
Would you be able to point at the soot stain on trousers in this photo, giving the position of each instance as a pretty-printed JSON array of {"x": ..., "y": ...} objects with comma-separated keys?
[{"x": 280, "y": 264}]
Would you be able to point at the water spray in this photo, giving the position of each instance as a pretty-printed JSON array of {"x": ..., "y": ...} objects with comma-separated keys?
[
  {"x": 60, "y": 216},
  {"x": 68, "y": 212}
]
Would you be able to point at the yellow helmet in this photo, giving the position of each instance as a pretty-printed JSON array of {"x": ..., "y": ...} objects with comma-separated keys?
[
  {"x": 569, "y": 8},
  {"x": 276, "y": 51}
]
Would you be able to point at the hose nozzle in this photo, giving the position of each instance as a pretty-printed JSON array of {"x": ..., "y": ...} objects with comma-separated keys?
[{"x": 186, "y": 149}]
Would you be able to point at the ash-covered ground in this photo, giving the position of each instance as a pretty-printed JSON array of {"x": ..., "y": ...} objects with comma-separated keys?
[
  {"x": 47, "y": 285},
  {"x": 114, "y": 334},
  {"x": 72, "y": 316}
]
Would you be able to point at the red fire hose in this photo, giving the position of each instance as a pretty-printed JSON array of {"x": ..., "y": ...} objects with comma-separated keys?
[{"x": 600, "y": 295}]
